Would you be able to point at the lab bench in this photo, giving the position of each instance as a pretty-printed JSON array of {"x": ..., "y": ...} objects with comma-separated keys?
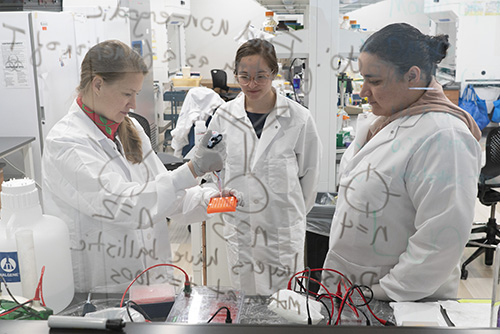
[
  {"x": 41, "y": 327},
  {"x": 9, "y": 145},
  {"x": 254, "y": 317}
]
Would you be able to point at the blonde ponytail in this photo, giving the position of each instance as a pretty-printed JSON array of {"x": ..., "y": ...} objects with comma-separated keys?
[{"x": 131, "y": 141}]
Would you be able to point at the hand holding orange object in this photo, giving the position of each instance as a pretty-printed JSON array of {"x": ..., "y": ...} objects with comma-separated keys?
[{"x": 222, "y": 204}]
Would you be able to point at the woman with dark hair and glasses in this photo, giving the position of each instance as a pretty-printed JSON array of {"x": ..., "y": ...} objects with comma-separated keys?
[
  {"x": 273, "y": 157},
  {"x": 408, "y": 182}
]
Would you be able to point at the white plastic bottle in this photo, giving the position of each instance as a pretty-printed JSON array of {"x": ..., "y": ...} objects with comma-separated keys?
[
  {"x": 270, "y": 24},
  {"x": 345, "y": 23},
  {"x": 199, "y": 131},
  {"x": 26, "y": 232}
]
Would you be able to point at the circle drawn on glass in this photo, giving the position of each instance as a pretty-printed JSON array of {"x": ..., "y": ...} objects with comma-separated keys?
[{"x": 372, "y": 179}]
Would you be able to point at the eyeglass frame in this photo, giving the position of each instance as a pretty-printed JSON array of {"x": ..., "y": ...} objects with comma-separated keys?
[{"x": 250, "y": 79}]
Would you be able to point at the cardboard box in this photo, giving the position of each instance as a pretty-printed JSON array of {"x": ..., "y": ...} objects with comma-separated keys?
[{"x": 190, "y": 82}]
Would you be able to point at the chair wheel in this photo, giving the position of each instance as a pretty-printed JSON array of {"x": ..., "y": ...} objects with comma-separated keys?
[
  {"x": 488, "y": 257},
  {"x": 464, "y": 274}
]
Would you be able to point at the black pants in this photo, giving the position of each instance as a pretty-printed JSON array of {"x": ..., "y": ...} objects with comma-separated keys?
[{"x": 316, "y": 250}]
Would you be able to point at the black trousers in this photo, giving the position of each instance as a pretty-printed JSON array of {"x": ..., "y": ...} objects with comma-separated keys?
[{"x": 316, "y": 250}]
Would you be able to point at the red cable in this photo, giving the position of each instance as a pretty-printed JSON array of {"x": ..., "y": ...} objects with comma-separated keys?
[
  {"x": 15, "y": 308},
  {"x": 383, "y": 322},
  {"x": 324, "y": 287},
  {"x": 352, "y": 308},
  {"x": 316, "y": 269},
  {"x": 338, "y": 295},
  {"x": 39, "y": 289},
  {"x": 186, "y": 283}
]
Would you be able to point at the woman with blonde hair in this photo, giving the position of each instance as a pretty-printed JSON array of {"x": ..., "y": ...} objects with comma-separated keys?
[{"x": 101, "y": 176}]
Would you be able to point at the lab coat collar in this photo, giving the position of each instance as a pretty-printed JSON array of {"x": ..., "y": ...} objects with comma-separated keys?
[
  {"x": 94, "y": 133},
  {"x": 366, "y": 121},
  {"x": 393, "y": 127},
  {"x": 272, "y": 127},
  {"x": 280, "y": 106}
]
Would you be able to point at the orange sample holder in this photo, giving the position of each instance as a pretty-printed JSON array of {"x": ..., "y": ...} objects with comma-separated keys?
[{"x": 222, "y": 204}]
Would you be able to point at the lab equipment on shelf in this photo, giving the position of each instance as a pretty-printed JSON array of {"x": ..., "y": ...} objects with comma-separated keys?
[{"x": 270, "y": 24}]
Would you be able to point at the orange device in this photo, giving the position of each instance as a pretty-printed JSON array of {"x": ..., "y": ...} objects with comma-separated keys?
[{"x": 222, "y": 204}]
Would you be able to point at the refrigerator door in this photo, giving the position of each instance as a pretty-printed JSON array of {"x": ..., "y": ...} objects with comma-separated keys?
[
  {"x": 57, "y": 66},
  {"x": 18, "y": 87}
]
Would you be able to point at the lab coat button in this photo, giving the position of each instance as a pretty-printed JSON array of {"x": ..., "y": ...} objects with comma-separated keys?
[{"x": 256, "y": 201}]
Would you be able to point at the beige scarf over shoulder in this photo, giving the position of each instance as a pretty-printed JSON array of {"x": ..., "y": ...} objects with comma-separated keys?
[{"x": 433, "y": 100}]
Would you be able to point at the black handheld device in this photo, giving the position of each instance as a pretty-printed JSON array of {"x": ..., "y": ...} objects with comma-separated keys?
[{"x": 214, "y": 140}]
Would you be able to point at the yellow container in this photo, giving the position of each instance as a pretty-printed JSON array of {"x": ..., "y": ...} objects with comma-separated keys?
[{"x": 190, "y": 82}]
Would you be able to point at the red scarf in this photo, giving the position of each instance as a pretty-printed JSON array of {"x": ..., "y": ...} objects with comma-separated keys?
[{"x": 107, "y": 127}]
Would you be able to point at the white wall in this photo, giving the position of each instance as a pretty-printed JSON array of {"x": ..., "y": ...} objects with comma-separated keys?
[
  {"x": 378, "y": 15},
  {"x": 207, "y": 45}
]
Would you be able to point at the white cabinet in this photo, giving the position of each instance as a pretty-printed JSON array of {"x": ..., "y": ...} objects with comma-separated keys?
[{"x": 178, "y": 7}]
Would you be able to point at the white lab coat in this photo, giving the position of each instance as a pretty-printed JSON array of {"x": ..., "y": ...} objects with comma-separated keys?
[
  {"x": 406, "y": 206},
  {"x": 199, "y": 104},
  {"x": 278, "y": 176},
  {"x": 115, "y": 210}
]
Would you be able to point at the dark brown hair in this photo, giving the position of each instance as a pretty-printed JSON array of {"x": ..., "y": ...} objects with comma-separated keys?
[
  {"x": 405, "y": 46},
  {"x": 111, "y": 60},
  {"x": 260, "y": 47}
]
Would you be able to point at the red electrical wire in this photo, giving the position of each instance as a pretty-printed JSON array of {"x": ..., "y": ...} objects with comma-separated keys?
[
  {"x": 324, "y": 287},
  {"x": 330, "y": 296},
  {"x": 186, "y": 283},
  {"x": 352, "y": 308},
  {"x": 382, "y": 321},
  {"x": 316, "y": 269},
  {"x": 15, "y": 308},
  {"x": 289, "y": 287},
  {"x": 39, "y": 289}
]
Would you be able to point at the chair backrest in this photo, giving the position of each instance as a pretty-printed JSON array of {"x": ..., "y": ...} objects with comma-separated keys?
[
  {"x": 143, "y": 122},
  {"x": 175, "y": 98},
  {"x": 491, "y": 169},
  {"x": 219, "y": 79}
]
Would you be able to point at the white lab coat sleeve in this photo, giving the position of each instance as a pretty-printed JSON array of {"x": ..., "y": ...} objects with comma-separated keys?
[
  {"x": 81, "y": 176},
  {"x": 308, "y": 153},
  {"x": 441, "y": 178}
]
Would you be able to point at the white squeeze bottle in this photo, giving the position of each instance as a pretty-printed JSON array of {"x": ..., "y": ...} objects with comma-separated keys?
[
  {"x": 199, "y": 131},
  {"x": 345, "y": 23},
  {"x": 30, "y": 240}
]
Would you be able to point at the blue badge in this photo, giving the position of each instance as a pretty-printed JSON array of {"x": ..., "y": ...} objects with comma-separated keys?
[{"x": 9, "y": 267}]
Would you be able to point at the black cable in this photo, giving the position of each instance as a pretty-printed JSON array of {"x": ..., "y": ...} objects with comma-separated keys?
[
  {"x": 18, "y": 306},
  {"x": 368, "y": 322},
  {"x": 349, "y": 293},
  {"x": 309, "y": 320},
  {"x": 138, "y": 309},
  {"x": 368, "y": 300},
  {"x": 28, "y": 310},
  {"x": 327, "y": 309},
  {"x": 228, "y": 315}
]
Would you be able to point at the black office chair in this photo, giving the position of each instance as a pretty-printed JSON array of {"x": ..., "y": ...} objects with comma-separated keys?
[
  {"x": 489, "y": 197},
  {"x": 169, "y": 161},
  {"x": 219, "y": 80}
]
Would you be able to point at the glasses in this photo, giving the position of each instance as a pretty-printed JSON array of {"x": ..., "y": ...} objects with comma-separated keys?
[{"x": 259, "y": 79}]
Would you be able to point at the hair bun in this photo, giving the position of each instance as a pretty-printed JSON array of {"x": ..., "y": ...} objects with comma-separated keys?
[{"x": 438, "y": 46}]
